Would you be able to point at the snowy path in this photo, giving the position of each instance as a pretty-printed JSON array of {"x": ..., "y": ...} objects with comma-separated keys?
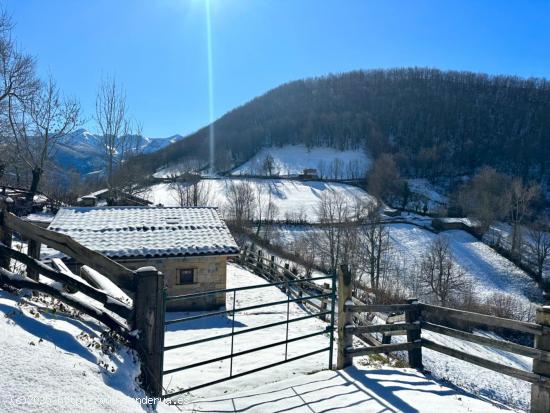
[{"x": 356, "y": 389}]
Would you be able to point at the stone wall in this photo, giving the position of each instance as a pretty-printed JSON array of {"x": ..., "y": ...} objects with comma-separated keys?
[{"x": 210, "y": 274}]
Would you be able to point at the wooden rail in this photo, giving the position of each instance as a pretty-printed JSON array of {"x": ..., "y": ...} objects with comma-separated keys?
[
  {"x": 431, "y": 312},
  {"x": 142, "y": 323},
  {"x": 111, "y": 303},
  {"x": 18, "y": 281},
  {"x": 119, "y": 274},
  {"x": 383, "y": 348},
  {"x": 487, "y": 341},
  {"x": 449, "y": 322},
  {"x": 382, "y": 328},
  {"x": 483, "y": 362},
  {"x": 274, "y": 272}
]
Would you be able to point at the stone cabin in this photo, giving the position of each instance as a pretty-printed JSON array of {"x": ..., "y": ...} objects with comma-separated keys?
[{"x": 190, "y": 245}]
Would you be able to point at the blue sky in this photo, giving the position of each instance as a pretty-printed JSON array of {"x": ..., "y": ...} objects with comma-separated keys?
[{"x": 158, "y": 49}]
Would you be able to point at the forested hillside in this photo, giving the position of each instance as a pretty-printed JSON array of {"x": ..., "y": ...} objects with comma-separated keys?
[{"x": 436, "y": 123}]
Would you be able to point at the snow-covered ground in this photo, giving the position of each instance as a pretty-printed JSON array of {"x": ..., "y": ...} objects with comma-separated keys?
[
  {"x": 425, "y": 196},
  {"x": 423, "y": 187},
  {"x": 52, "y": 362},
  {"x": 293, "y": 159},
  {"x": 304, "y": 385},
  {"x": 355, "y": 389},
  {"x": 478, "y": 380},
  {"x": 217, "y": 325},
  {"x": 491, "y": 272},
  {"x": 294, "y": 199}
]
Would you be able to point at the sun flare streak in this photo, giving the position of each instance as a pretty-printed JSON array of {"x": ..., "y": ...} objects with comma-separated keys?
[{"x": 210, "y": 86}]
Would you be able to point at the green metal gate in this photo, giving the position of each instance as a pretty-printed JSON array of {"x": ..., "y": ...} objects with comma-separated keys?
[{"x": 328, "y": 312}]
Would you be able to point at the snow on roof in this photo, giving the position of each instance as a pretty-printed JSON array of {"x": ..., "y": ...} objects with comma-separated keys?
[
  {"x": 40, "y": 217},
  {"x": 466, "y": 221},
  {"x": 93, "y": 194},
  {"x": 147, "y": 231}
]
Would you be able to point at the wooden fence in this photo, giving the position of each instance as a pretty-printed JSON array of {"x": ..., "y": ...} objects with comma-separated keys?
[
  {"x": 141, "y": 323},
  {"x": 453, "y": 323},
  {"x": 268, "y": 268}
]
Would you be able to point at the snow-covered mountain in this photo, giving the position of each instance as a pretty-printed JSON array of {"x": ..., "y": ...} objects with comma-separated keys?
[{"x": 82, "y": 151}]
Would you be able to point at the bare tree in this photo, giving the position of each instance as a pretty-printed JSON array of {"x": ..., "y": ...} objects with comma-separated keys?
[
  {"x": 333, "y": 212},
  {"x": 17, "y": 70},
  {"x": 266, "y": 209},
  {"x": 305, "y": 247},
  {"x": 322, "y": 169},
  {"x": 374, "y": 247},
  {"x": 336, "y": 168},
  {"x": 520, "y": 198},
  {"x": 353, "y": 170},
  {"x": 191, "y": 192},
  {"x": 39, "y": 125},
  {"x": 113, "y": 123},
  {"x": 268, "y": 165},
  {"x": 383, "y": 179},
  {"x": 439, "y": 273},
  {"x": 240, "y": 203},
  {"x": 538, "y": 246},
  {"x": 17, "y": 83}
]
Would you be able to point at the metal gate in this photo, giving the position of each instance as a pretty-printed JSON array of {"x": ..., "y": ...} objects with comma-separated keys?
[{"x": 286, "y": 285}]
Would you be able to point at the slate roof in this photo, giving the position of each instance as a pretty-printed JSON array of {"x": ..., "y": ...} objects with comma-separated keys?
[{"x": 124, "y": 232}]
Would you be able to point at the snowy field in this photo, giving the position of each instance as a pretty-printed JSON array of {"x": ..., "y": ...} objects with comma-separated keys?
[
  {"x": 489, "y": 271},
  {"x": 294, "y": 199},
  {"x": 293, "y": 159},
  {"x": 424, "y": 193},
  {"x": 423, "y": 187}
]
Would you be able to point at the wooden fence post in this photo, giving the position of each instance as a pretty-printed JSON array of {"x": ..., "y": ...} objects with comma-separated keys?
[
  {"x": 324, "y": 302},
  {"x": 33, "y": 251},
  {"x": 272, "y": 269},
  {"x": 413, "y": 316},
  {"x": 345, "y": 318},
  {"x": 5, "y": 235},
  {"x": 243, "y": 256},
  {"x": 286, "y": 271},
  {"x": 259, "y": 260},
  {"x": 149, "y": 307},
  {"x": 540, "y": 393}
]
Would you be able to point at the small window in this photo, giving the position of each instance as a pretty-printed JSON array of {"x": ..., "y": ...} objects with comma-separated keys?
[{"x": 187, "y": 276}]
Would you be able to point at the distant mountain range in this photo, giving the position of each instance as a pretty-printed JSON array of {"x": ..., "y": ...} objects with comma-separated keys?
[{"x": 82, "y": 150}]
